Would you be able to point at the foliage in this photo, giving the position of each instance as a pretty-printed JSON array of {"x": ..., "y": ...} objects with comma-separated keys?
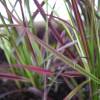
[{"x": 71, "y": 46}]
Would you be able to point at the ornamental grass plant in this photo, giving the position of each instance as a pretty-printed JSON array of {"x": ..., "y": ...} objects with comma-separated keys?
[{"x": 55, "y": 51}]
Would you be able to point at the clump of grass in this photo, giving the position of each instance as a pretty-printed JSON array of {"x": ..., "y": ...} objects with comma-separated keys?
[{"x": 76, "y": 46}]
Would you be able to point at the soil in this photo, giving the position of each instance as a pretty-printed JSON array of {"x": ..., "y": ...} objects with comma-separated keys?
[{"x": 9, "y": 91}]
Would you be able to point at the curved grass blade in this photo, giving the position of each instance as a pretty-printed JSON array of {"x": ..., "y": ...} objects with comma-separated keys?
[
  {"x": 75, "y": 91},
  {"x": 12, "y": 77}
]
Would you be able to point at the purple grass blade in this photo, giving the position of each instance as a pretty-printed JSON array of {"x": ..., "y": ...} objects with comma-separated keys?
[
  {"x": 40, "y": 9},
  {"x": 58, "y": 18},
  {"x": 71, "y": 74},
  {"x": 36, "y": 69},
  {"x": 22, "y": 12},
  {"x": 12, "y": 77},
  {"x": 37, "y": 11},
  {"x": 41, "y": 71}
]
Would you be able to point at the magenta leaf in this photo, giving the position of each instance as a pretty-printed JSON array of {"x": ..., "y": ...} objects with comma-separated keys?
[{"x": 12, "y": 76}]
